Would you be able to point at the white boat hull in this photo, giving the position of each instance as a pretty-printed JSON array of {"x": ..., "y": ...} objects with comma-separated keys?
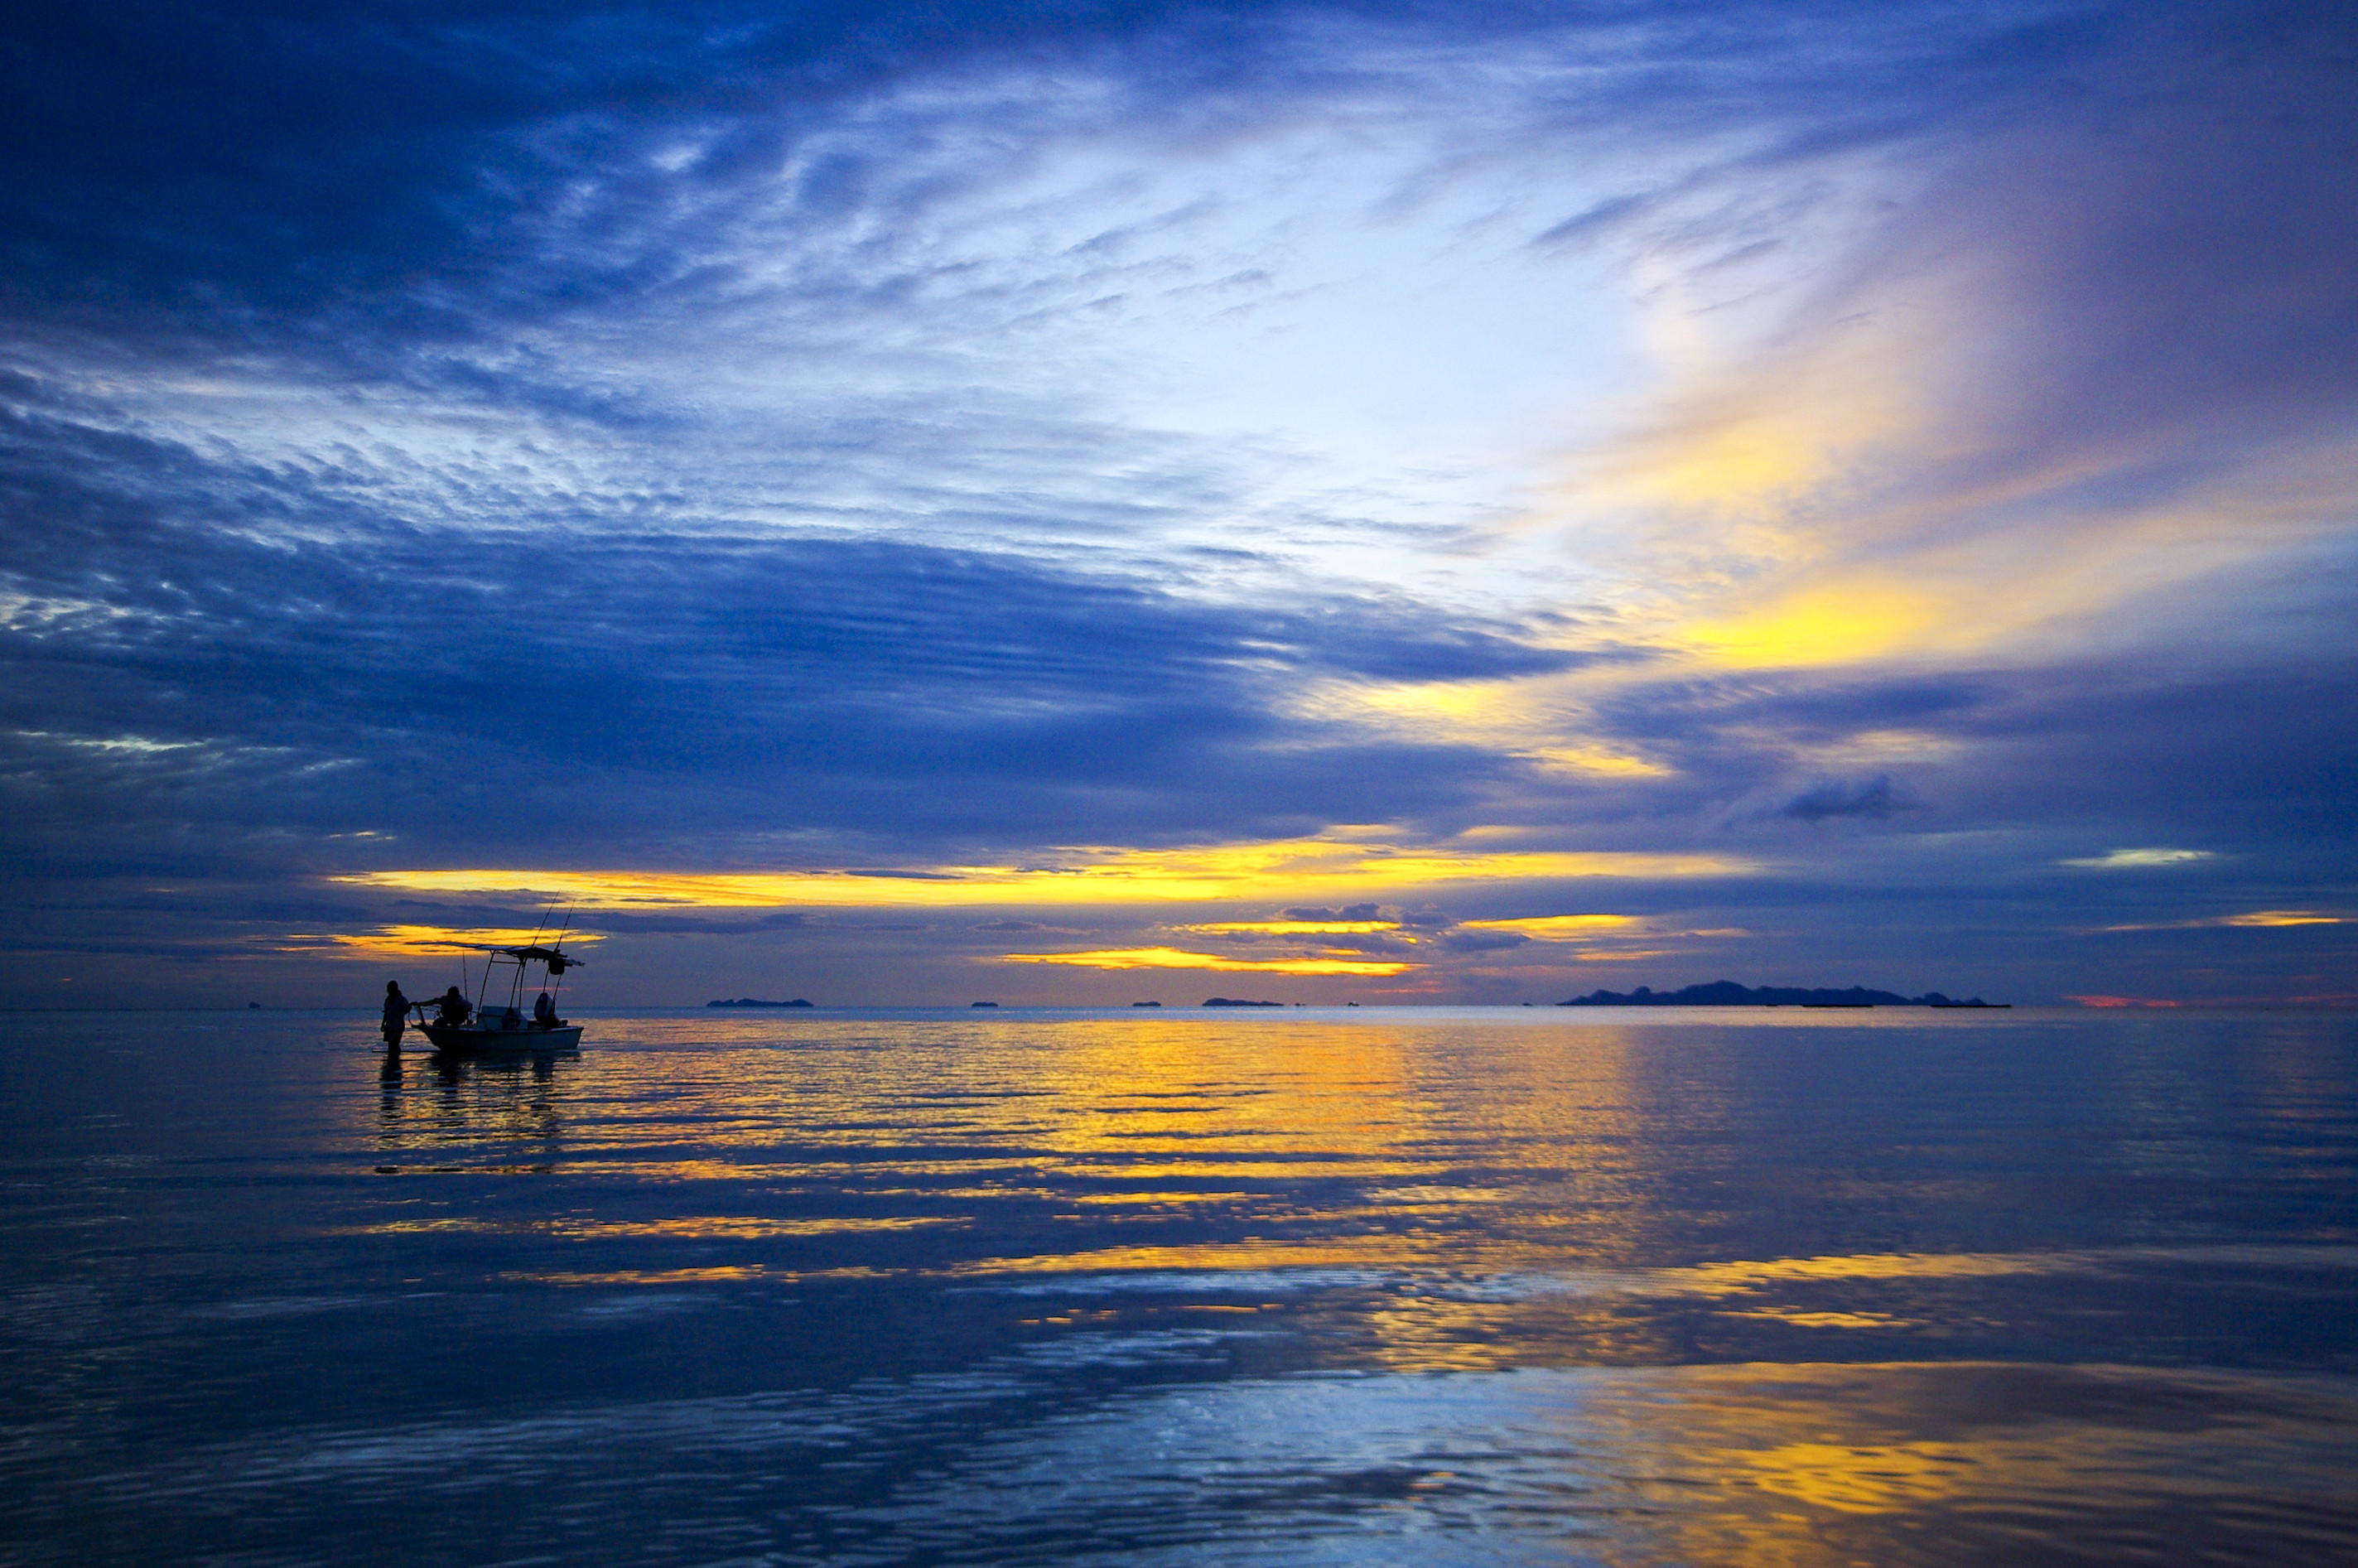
[{"x": 473, "y": 1038}]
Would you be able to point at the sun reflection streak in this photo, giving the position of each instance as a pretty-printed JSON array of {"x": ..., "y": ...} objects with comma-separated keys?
[{"x": 1377, "y": 1200}]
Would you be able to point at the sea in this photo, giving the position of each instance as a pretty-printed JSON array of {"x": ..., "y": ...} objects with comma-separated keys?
[{"x": 1423, "y": 1287}]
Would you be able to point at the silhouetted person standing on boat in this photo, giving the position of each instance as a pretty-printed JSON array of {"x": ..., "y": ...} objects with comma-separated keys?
[
  {"x": 455, "y": 1008},
  {"x": 396, "y": 1014}
]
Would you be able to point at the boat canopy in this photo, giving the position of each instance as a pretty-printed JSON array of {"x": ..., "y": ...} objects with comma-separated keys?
[{"x": 558, "y": 962}]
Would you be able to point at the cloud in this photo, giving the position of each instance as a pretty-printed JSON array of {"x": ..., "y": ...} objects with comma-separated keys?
[
  {"x": 428, "y": 941},
  {"x": 1463, "y": 941},
  {"x": 1329, "y": 925},
  {"x": 1877, "y": 797},
  {"x": 940, "y": 456},
  {"x": 1557, "y": 927},
  {"x": 1176, "y": 958},
  {"x": 2257, "y": 919},
  {"x": 2139, "y": 860},
  {"x": 1072, "y": 877},
  {"x": 622, "y": 921},
  {"x": 1941, "y": 451}
]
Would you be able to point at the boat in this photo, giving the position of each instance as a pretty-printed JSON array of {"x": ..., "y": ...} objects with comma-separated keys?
[{"x": 509, "y": 1026}]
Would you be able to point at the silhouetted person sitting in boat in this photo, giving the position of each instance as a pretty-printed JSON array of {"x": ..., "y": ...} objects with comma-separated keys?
[
  {"x": 544, "y": 1011},
  {"x": 455, "y": 1008},
  {"x": 396, "y": 1014}
]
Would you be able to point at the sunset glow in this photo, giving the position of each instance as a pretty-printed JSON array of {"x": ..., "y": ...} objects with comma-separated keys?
[
  {"x": 1723, "y": 495},
  {"x": 1296, "y": 869},
  {"x": 1173, "y": 959}
]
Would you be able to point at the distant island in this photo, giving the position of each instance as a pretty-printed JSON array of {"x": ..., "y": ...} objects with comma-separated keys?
[
  {"x": 982, "y": 1004},
  {"x": 757, "y": 1001},
  {"x": 1728, "y": 993},
  {"x": 1233, "y": 1001},
  {"x": 1146, "y": 1004}
]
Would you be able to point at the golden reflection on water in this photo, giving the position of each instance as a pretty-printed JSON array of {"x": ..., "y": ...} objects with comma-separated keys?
[
  {"x": 693, "y": 1227},
  {"x": 1107, "y": 1145},
  {"x": 1308, "y": 1145},
  {"x": 1812, "y": 1467},
  {"x": 1374, "y": 1252},
  {"x": 1533, "y": 1204},
  {"x": 1533, "y": 1295}
]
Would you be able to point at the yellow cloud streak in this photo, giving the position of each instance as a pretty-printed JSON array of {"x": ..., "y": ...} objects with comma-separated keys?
[
  {"x": 1593, "y": 759},
  {"x": 1558, "y": 928},
  {"x": 1176, "y": 958},
  {"x": 1295, "y": 927},
  {"x": 1834, "y": 624},
  {"x": 1834, "y": 583},
  {"x": 2260, "y": 919},
  {"x": 1851, "y": 499},
  {"x": 429, "y": 941},
  {"x": 1297, "y": 868}
]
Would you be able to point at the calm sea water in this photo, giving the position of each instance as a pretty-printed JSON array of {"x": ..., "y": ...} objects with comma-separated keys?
[{"x": 1421, "y": 1288}]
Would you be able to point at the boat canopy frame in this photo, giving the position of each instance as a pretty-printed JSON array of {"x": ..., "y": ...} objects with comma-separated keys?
[{"x": 553, "y": 959}]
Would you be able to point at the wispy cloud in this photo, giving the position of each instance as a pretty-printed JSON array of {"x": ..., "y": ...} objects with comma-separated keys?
[
  {"x": 2138, "y": 859},
  {"x": 2257, "y": 919}
]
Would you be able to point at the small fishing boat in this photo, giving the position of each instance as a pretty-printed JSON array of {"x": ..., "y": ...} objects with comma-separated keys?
[{"x": 512, "y": 1025}]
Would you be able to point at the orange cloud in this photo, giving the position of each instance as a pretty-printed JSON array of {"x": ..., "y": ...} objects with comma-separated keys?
[
  {"x": 1334, "y": 867},
  {"x": 1294, "y": 928},
  {"x": 2260, "y": 919},
  {"x": 1557, "y": 927},
  {"x": 1176, "y": 958},
  {"x": 429, "y": 941}
]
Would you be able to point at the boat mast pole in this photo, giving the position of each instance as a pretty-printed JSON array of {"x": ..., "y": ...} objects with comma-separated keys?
[
  {"x": 515, "y": 990},
  {"x": 557, "y": 980}
]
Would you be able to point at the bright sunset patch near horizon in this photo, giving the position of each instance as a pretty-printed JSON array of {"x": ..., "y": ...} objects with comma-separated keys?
[
  {"x": 1295, "y": 867},
  {"x": 1176, "y": 958},
  {"x": 433, "y": 941}
]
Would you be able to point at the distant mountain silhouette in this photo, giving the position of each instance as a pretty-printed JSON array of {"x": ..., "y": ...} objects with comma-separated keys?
[
  {"x": 757, "y": 1001},
  {"x": 1728, "y": 993},
  {"x": 1232, "y": 1001}
]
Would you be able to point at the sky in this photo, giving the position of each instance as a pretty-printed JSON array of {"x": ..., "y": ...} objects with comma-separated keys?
[{"x": 1079, "y": 503}]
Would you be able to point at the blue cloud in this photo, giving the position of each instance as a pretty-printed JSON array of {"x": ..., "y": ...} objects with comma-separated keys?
[{"x": 1877, "y": 797}]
